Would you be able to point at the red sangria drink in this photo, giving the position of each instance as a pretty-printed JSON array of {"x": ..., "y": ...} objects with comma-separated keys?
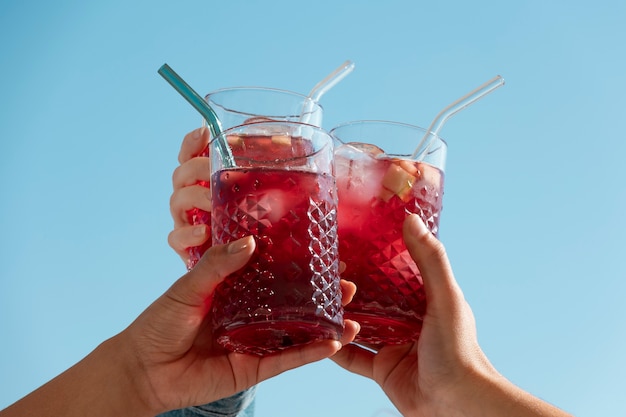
[
  {"x": 376, "y": 192},
  {"x": 236, "y": 106},
  {"x": 282, "y": 191}
]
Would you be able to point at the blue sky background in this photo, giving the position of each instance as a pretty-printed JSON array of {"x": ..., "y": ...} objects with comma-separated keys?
[{"x": 534, "y": 203}]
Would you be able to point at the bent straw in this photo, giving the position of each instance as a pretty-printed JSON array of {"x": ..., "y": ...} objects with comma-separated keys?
[
  {"x": 204, "y": 109},
  {"x": 322, "y": 87},
  {"x": 331, "y": 80},
  {"x": 453, "y": 109}
]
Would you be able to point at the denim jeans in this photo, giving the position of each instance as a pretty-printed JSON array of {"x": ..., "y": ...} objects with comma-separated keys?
[{"x": 238, "y": 405}]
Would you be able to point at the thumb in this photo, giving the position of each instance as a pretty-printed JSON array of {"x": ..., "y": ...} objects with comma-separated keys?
[
  {"x": 195, "y": 287},
  {"x": 442, "y": 290}
]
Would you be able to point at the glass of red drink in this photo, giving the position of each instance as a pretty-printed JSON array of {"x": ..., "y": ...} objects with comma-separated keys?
[
  {"x": 236, "y": 106},
  {"x": 377, "y": 189},
  {"x": 283, "y": 192}
]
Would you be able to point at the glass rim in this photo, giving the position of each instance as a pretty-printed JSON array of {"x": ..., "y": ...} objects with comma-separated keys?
[
  {"x": 382, "y": 122},
  {"x": 268, "y": 122},
  {"x": 257, "y": 88},
  {"x": 402, "y": 155},
  {"x": 299, "y": 104}
]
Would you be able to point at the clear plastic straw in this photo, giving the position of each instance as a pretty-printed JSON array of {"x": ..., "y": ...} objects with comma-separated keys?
[
  {"x": 331, "y": 80},
  {"x": 204, "y": 109},
  {"x": 322, "y": 87},
  {"x": 451, "y": 110}
]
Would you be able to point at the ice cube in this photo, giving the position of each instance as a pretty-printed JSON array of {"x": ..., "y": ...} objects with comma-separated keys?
[
  {"x": 354, "y": 158},
  {"x": 367, "y": 148},
  {"x": 277, "y": 203},
  {"x": 358, "y": 172}
]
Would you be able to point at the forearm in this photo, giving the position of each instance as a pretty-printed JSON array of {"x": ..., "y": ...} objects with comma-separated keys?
[
  {"x": 101, "y": 384},
  {"x": 492, "y": 395}
]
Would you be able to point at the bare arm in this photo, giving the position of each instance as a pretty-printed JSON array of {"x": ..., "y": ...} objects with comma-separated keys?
[
  {"x": 167, "y": 358},
  {"x": 103, "y": 383}
]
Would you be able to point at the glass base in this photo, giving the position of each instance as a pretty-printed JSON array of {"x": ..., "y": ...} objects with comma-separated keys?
[
  {"x": 379, "y": 329},
  {"x": 273, "y": 336}
]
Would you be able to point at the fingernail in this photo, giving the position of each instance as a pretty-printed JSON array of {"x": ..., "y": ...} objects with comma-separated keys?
[
  {"x": 198, "y": 133},
  {"x": 417, "y": 226},
  {"x": 199, "y": 230},
  {"x": 239, "y": 245}
]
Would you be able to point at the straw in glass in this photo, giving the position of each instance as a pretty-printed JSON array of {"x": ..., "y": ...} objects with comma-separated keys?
[
  {"x": 451, "y": 110},
  {"x": 204, "y": 109},
  {"x": 331, "y": 80},
  {"x": 323, "y": 86}
]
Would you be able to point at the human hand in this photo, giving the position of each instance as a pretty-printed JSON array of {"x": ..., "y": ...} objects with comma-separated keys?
[
  {"x": 167, "y": 358},
  {"x": 445, "y": 372},
  {"x": 179, "y": 364},
  {"x": 189, "y": 194},
  {"x": 412, "y": 374},
  {"x": 190, "y": 182}
]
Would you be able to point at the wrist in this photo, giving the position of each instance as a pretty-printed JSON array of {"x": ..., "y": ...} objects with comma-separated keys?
[
  {"x": 484, "y": 392},
  {"x": 469, "y": 383},
  {"x": 122, "y": 382}
]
